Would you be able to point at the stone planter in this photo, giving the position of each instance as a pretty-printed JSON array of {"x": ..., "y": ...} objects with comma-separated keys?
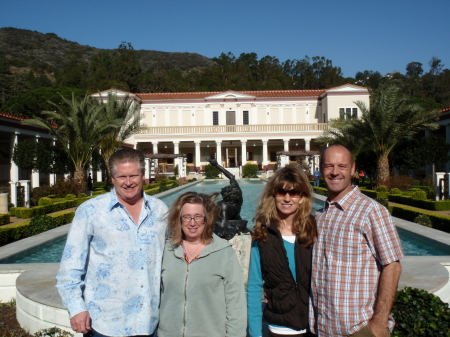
[{"x": 3, "y": 202}]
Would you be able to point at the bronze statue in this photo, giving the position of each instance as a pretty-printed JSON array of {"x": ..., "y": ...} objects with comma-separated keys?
[{"x": 230, "y": 222}]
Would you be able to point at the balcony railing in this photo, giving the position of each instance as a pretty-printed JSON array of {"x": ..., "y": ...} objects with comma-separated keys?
[{"x": 208, "y": 129}]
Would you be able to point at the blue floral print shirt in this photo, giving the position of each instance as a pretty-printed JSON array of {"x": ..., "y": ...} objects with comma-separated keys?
[{"x": 111, "y": 267}]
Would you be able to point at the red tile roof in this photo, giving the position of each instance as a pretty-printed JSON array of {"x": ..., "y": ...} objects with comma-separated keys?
[
  {"x": 203, "y": 95},
  {"x": 6, "y": 115}
]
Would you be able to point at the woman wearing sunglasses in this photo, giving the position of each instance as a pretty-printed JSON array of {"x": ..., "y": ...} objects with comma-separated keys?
[
  {"x": 202, "y": 289},
  {"x": 280, "y": 262}
]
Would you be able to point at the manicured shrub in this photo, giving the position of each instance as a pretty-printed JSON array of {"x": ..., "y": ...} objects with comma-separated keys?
[
  {"x": 175, "y": 184},
  {"x": 423, "y": 220},
  {"x": 82, "y": 195},
  {"x": 381, "y": 188},
  {"x": 98, "y": 184},
  {"x": 172, "y": 178},
  {"x": 421, "y": 195},
  {"x": 70, "y": 196},
  {"x": 62, "y": 187},
  {"x": 395, "y": 190},
  {"x": 4, "y": 219},
  {"x": 250, "y": 170},
  {"x": 45, "y": 201},
  {"x": 418, "y": 313},
  {"x": 53, "y": 332},
  {"x": 320, "y": 191},
  {"x": 40, "y": 192},
  {"x": 211, "y": 171},
  {"x": 41, "y": 223},
  {"x": 382, "y": 201},
  {"x": 416, "y": 182}
]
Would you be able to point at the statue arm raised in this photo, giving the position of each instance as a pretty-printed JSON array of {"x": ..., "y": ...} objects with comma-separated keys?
[{"x": 227, "y": 174}]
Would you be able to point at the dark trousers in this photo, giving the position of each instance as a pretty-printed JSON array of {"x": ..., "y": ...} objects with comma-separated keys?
[
  {"x": 306, "y": 334},
  {"x": 94, "y": 333}
]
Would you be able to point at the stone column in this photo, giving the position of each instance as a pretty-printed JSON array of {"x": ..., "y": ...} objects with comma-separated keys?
[
  {"x": 286, "y": 144},
  {"x": 13, "y": 193},
  {"x": 438, "y": 186},
  {"x": 14, "y": 171},
  {"x": 147, "y": 169},
  {"x": 53, "y": 175},
  {"x": 155, "y": 147},
  {"x": 26, "y": 192},
  {"x": 35, "y": 173},
  {"x": 244, "y": 152},
  {"x": 307, "y": 144},
  {"x": 197, "y": 153},
  {"x": 176, "y": 147},
  {"x": 219, "y": 152},
  {"x": 265, "y": 158}
]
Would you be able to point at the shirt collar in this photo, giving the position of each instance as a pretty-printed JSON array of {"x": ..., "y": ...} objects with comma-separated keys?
[
  {"x": 114, "y": 202},
  {"x": 345, "y": 200}
]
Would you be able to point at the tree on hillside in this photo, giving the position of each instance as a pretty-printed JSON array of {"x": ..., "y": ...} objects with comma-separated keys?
[
  {"x": 389, "y": 119},
  {"x": 122, "y": 112},
  {"x": 79, "y": 125}
]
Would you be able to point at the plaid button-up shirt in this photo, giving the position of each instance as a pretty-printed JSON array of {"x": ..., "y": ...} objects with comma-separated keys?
[{"x": 356, "y": 236}]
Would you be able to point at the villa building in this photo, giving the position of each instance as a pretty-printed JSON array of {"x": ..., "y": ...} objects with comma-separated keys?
[{"x": 238, "y": 127}]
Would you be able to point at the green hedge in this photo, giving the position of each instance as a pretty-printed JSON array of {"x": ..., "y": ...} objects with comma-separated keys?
[
  {"x": 4, "y": 219},
  {"x": 152, "y": 191},
  {"x": 374, "y": 194},
  {"x": 441, "y": 222},
  {"x": 441, "y": 205},
  {"x": 320, "y": 190},
  {"x": 11, "y": 233}
]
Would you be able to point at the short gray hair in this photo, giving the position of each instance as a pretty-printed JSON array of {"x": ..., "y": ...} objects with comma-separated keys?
[{"x": 126, "y": 155}]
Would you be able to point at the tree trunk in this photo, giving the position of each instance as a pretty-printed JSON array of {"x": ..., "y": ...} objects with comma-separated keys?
[
  {"x": 383, "y": 169},
  {"x": 79, "y": 175}
]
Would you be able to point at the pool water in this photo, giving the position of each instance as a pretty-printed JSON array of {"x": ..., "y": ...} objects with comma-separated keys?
[{"x": 413, "y": 244}]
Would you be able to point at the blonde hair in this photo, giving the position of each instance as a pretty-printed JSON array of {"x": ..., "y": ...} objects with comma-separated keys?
[
  {"x": 209, "y": 207},
  {"x": 304, "y": 224}
]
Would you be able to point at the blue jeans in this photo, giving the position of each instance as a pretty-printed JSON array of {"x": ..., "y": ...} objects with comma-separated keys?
[
  {"x": 316, "y": 182},
  {"x": 94, "y": 333}
]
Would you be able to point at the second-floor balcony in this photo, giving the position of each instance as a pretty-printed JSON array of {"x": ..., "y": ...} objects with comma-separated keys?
[{"x": 225, "y": 129}]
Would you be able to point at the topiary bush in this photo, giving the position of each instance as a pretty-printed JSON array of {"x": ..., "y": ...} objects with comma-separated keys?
[
  {"x": 395, "y": 190},
  {"x": 382, "y": 201},
  {"x": 163, "y": 187},
  {"x": 381, "y": 188},
  {"x": 175, "y": 184},
  {"x": 423, "y": 220},
  {"x": 41, "y": 223},
  {"x": 45, "y": 201},
  {"x": 98, "y": 184},
  {"x": 418, "y": 313},
  {"x": 70, "y": 196},
  {"x": 211, "y": 171},
  {"x": 250, "y": 170},
  {"x": 82, "y": 195},
  {"x": 421, "y": 195}
]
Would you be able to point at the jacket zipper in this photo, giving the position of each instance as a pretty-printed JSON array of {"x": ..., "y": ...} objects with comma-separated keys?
[{"x": 185, "y": 299}]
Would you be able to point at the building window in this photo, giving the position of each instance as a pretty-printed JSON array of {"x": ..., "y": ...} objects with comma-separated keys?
[
  {"x": 190, "y": 158},
  {"x": 212, "y": 155},
  {"x": 273, "y": 155},
  {"x": 215, "y": 117},
  {"x": 249, "y": 155},
  {"x": 348, "y": 112},
  {"x": 245, "y": 118}
]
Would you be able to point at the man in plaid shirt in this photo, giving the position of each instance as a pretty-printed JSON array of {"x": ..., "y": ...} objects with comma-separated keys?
[{"x": 356, "y": 257}]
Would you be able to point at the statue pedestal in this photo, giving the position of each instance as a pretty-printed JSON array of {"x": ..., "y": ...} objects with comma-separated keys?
[{"x": 242, "y": 245}]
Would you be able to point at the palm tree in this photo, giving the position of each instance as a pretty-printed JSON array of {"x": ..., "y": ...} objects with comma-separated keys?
[
  {"x": 79, "y": 125},
  {"x": 123, "y": 112},
  {"x": 390, "y": 119}
]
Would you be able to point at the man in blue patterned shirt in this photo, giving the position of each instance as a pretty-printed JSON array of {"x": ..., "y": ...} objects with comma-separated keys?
[{"x": 109, "y": 277}]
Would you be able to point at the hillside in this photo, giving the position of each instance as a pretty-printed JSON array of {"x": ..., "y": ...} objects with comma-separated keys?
[{"x": 48, "y": 52}]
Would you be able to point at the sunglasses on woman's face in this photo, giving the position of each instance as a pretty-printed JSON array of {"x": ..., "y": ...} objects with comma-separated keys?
[{"x": 292, "y": 193}]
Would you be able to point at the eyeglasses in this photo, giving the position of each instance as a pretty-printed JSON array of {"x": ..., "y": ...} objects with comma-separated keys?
[
  {"x": 292, "y": 193},
  {"x": 198, "y": 219}
]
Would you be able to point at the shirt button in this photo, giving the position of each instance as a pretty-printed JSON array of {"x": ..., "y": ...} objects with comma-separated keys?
[
  {"x": 142, "y": 286},
  {"x": 142, "y": 267},
  {"x": 140, "y": 249}
]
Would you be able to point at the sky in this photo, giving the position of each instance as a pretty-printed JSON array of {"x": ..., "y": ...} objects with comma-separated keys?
[{"x": 383, "y": 35}]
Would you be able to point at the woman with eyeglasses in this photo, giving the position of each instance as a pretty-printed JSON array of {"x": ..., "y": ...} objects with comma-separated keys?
[
  {"x": 202, "y": 289},
  {"x": 280, "y": 261}
]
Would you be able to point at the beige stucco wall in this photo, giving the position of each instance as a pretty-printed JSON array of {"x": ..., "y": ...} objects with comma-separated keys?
[{"x": 341, "y": 101}]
